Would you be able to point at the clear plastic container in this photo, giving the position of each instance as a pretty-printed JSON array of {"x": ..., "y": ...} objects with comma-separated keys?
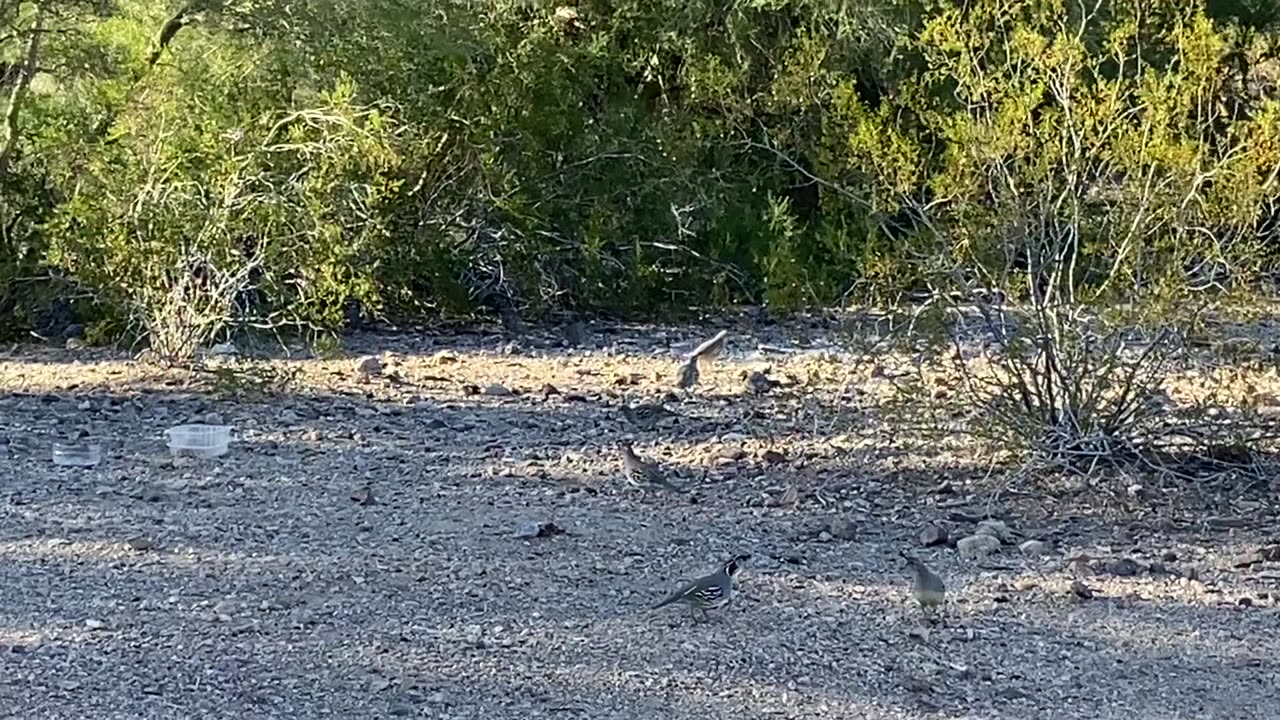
[
  {"x": 204, "y": 441},
  {"x": 77, "y": 454}
]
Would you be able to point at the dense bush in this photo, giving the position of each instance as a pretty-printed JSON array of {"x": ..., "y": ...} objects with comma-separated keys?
[{"x": 264, "y": 163}]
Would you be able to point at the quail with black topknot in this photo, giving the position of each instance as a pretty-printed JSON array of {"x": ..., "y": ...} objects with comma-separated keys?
[{"x": 710, "y": 591}]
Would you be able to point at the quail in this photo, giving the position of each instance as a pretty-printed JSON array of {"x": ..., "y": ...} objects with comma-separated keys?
[
  {"x": 759, "y": 383},
  {"x": 643, "y": 474},
  {"x": 927, "y": 586},
  {"x": 688, "y": 374},
  {"x": 646, "y": 415},
  {"x": 708, "y": 592},
  {"x": 574, "y": 333},
  {"x": 712, "y": 348}
]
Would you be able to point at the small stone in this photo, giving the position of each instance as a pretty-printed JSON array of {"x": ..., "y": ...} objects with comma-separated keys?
[
  {"x": 773, "y": 457},
  {"x": 843, "y": 528},
  {"x": 731, "y": 453},
  {"x": 529, "y": 530},
  {"x": 94, "y": 624},
  {"x": 370, "y": 366},
  {"x": 288, "y": 416},
  {"x": 758, "y": 383},
  {"x": 140, "y": 543},
  {"x": 74, "y": 330},
  {"x": 75, "y": 344},
  {"x": 1245, "y": 602},
  {"x": 976, "y": 546},
  {"x": 214, "y": 418},
  {"x": 363, "y": 496},
  {"x": 788, "y": 498},
  {"x": 933, "y": 535},
  {"x": 824, "y": 536},
  {"x": 1123, "y": 567},
  {"x": 1034, "y": 548},
  {"x": 548, "y": 390},
  {"x": 995, "y": 529},
  {"x": 1081, "y": 590},
  {"x": 496, "y": 390}
]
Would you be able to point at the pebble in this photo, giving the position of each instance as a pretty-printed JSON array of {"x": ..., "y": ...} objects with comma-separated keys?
[
  {"x": 976, "y": 546},
  {"x": 995, "y": 529},
  {"x": 1033, "y": 548},
  {"x": 933, "y": 535}
]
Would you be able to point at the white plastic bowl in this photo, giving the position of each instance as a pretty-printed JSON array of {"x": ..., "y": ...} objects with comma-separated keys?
[
  {"x": 204, "y": 441},
  {"x": 77, "y": 454}
]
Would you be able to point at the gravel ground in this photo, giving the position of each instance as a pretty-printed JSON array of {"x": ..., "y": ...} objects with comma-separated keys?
[{"x": 265, "y": 584}]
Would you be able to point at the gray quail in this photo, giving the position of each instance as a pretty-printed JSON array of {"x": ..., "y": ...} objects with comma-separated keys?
[{"x": 710, "y": 591}]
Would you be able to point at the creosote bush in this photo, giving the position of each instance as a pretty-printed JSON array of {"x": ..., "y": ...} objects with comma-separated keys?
[{"x": 218, "y": 166}]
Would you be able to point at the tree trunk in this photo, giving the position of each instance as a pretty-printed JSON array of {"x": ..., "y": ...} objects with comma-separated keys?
[{"x": 10, "y": 138}]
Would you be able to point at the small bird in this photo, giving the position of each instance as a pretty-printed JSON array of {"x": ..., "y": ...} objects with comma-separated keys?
[
  {"x": 711, "y": 591},
  {"x": 758, "y": 383},
  {"x": 688, "y": 374},
  {"x": 711, "y": 349},
  {"x": 641, "y": 473},
  {"x": 574, "y": 333},
  {"x": 646, "y": 415},
  {"x": 927, "y": 586}
]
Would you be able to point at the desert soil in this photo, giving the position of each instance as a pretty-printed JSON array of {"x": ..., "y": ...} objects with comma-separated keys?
[{"x": 269, "y": 584}]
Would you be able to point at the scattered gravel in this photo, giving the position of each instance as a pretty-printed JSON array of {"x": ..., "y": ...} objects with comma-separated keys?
[{"x": 452, "y": 540}]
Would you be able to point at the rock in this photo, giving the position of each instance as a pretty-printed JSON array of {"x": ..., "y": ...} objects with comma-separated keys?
[
  {"x": 548, "y": 390},
  {"x": 496, "y": 390},
  {"x": 933, "y": 535},
  {"x": 1035, "y": 548},
  {"x": 94, "y": 624},
  {"x": 529, "y": 530},
  {"x": 1255, "y": 557},
  {"x": 773, "y": 457},
  {"x": 843, "y": 528},
  {"x": 575, "y": 334},
  {"x": 370, "y": 366},
  {"x": 824, "y": 536},
  {"x": 789, "y": 497},
  {"x": 976, "y": 546},
  {"x": 758, "y": 383},
  {"x": 74, "y": 330},
  {"x": 364, "y": 496},
  {"x": 288, "y": 416},
  {"x": 731, "y": 453},
  {"x": 140, "y": 543},
  {"x": 75, "y": 344},
  {"x": 995, "y": 529},
  {"x": 1123, "y": 567},
  {"x": 1081, "y": 590}
]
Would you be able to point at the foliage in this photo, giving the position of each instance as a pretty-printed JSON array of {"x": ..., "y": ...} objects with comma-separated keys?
[{"x": 318, "y": 161}]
